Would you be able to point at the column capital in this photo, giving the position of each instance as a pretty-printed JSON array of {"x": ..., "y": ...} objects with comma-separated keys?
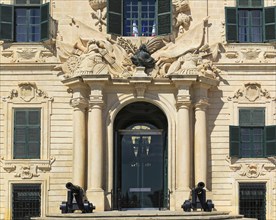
[
  {"x": 96, "y": 100},
  {"x": 183, "y": 101},
  {"x": 201, "y": 104},
  {"x": 79, "y": 103}
]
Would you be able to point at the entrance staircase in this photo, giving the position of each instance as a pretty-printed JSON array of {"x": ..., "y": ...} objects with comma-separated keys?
[{"x": 144, "y": 215}]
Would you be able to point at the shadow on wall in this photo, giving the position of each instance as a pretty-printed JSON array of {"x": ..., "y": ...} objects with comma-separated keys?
[{"x": 214, "y": 119}]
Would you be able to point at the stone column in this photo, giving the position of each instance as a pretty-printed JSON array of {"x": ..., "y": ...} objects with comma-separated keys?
[
  {"x": 95, "y": 146},
  {"x": 200, "y": 151},
  {"x": 183, "y": 143},
  {"x": 79, "y": 140},
  {"x": 183, "y": 146},
  {"x": 95, "y": 192}
]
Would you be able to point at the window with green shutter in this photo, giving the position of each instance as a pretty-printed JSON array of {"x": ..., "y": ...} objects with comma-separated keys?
[
  {"x": 252, "y": 139},
  {"x": 26, "y": 141},
  {"x": 25, "y": 21},
  {"x": 139, "y": 17},
  {"x": 250, "y": 22}
]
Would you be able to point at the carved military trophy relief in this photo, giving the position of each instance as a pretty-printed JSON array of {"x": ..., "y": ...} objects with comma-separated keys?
[{"x": 120, "y": 56}]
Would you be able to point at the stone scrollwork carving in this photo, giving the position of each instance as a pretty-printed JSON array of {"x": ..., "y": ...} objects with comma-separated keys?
[
  {"x": 7, "y": 166},
  {"x": 79, "y": 102},
  {"x": 27, "y": 170},
  {"x": 251, "y": 170},
  {"x": 251, "y": 91},
  {"x": 250, "y": 54},
  {"x": 232, "y": 54},
  {"x": 269, "y": 54},
  {"x": 27, "y": 91}
]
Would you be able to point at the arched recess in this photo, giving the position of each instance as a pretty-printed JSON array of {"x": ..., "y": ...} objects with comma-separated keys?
[{"x": 140, "y": 158}]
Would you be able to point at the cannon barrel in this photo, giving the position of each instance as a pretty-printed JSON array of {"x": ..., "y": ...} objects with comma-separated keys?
[
  {"x": 73, "y": 188},
  {"x": 201, "y": 185}
]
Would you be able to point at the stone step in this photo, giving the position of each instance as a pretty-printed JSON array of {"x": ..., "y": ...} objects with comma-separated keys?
[{"x": 144, "y": 215}]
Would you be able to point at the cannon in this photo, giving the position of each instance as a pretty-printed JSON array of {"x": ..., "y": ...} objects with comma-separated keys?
[
  {"x": 76, "y": 200},
  {"x": 198, "y": 200}
]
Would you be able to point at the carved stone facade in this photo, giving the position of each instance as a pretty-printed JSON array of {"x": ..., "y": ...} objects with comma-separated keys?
[{"x": 82, "y": 78}]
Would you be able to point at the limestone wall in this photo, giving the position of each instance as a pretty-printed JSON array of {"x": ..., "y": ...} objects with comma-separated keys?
[{"x": 241, "y": 66}]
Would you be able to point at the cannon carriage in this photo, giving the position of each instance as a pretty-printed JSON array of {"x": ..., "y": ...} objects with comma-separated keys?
[
  {"x": 198, "y": 200},
  {"x": 76, "y": 200}
]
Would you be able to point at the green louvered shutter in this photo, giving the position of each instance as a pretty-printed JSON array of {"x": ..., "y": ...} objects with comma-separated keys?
[
  {"x": 34, "y": 134},
  {"x": 270, "y": 23},
  {"x": 270, "y": 141},
  {"x": 257, "y": 117},
  {"x": 257, "y": 3},
  {"x": 251, "y": 117},
  {"x": 164, "y": 21},
  {"x": 250, "y": 3},
  {"x": 6, "y": 22},
  {"x": 20, "y": 135},
  {"x": 114, "y": 17},
  {"x": 243, "y": 3},
  {"x": 26, "y": 134},
  {"x": 44, "y": 22},
  {"x": 245, "y": 117},
  {"x": 231, "y": 19},
  {"x": 234, "y": 140}
]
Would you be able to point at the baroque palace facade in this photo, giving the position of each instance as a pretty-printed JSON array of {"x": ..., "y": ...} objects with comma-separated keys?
[{"x": 137, "y": 101}]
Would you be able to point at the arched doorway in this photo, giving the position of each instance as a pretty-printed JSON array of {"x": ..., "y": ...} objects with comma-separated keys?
[{"x": 140, "y": 158}]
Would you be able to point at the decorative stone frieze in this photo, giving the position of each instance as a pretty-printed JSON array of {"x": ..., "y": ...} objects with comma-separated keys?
[
  {"x": 25, "y": 169},
  {"x": 232, "y": 54},
  {"x": 27, "y": 54},
  {"x": 239, "y": 53},
  {"x": 251, "y": 169},
  {"x": 251, "y": 91}
]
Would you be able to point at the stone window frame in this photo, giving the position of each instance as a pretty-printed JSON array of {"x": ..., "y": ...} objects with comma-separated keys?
[
  {"x": 269, "y": 197},
  {"x": 251, "y": 95},
  {"x": 16, "y": 100},
  {"x": 44, "y": 186}
]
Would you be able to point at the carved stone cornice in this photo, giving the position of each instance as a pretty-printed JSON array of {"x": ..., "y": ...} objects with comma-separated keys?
[
  {"x": 79, "y": 102},
  {"x": 251, "y": 91},
  {"x": 25, "y": 169},
  {"x": 251, "y": 169}
]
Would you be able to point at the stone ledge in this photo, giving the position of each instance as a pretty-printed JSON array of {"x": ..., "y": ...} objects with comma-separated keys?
[{"x": 144, "y": 215}]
